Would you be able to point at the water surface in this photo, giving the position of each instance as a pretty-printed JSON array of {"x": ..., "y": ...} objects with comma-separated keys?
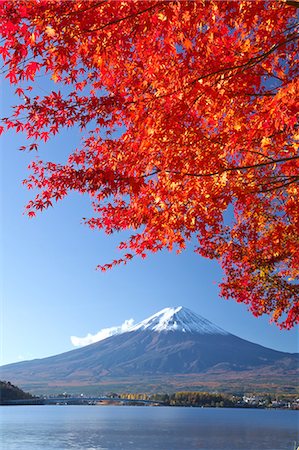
[{"x": 139, "y": 428}]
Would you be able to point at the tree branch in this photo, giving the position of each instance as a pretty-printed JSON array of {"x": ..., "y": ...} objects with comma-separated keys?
[
  {"x": 232, "y": 169},
  {"x": 293, "y": 3},
  {"x": 113, "y": 22}
]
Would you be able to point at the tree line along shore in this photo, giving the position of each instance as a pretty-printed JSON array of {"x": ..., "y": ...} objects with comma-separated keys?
[{"x": 11, "y": 393}]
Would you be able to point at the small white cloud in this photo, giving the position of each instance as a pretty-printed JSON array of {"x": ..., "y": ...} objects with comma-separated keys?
[{"x": 102, "y": 334}]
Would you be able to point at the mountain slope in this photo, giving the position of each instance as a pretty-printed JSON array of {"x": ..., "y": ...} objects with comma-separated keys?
[{"x": 174, "y": 341}]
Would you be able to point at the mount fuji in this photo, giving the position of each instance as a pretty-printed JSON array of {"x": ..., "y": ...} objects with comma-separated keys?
[{"x": 174, "y": 347}]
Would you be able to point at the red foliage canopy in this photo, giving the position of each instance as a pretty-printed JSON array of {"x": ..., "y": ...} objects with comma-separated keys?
[{"x": 189, "y": 109}]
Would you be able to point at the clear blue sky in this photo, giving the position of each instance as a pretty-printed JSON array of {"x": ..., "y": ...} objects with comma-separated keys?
[{"x": 50, "y": 289}]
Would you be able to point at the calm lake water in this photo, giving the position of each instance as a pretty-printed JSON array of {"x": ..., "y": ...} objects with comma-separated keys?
[{"x": 138, "y": 428}]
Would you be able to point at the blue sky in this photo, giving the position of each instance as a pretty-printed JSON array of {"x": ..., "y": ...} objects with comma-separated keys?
[{"x": 51, "y": 291}]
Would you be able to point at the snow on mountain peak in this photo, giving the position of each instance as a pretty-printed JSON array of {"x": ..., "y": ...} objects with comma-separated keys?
[{"x": 178, "y": 319}]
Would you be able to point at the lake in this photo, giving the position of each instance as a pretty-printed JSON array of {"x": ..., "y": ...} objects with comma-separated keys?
[{"x": 138, "y": 428}]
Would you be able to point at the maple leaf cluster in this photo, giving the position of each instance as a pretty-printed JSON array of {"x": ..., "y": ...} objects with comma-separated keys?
[{"x": 188, "y": 112}]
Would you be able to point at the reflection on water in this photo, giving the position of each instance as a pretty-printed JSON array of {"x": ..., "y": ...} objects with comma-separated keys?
[{"x": 138, "y": 428}]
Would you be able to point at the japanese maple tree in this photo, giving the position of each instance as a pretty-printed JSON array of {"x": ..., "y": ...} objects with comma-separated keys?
[{"x": 188, "y": 109}]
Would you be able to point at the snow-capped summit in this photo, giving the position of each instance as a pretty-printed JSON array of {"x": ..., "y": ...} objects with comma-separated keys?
[{"x": 178, "y": 319}]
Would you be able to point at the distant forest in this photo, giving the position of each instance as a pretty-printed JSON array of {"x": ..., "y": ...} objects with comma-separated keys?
[{"x": 188, "y": 399}]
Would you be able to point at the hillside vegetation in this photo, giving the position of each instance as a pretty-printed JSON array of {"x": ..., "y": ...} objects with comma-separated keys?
[{"x": 10, "y": 392}]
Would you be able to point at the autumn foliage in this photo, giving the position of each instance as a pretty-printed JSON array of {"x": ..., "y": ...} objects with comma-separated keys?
[{"x": 188, "y": 112}]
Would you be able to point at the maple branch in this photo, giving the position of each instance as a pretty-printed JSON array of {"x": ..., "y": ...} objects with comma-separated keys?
[
  {"x": 255, "y": 152},
  {"x": 113, "y": 22},
  {"x": 231, "y": 169},
  {"x": 251, "y": 62},
  {"x": 266, "y": 94},
  {"x": 281, "y": 181},
  {"x": 120, "y": 178},
  {"x": 280, "y": 186},
  {"x": 272, "y": 75},
  {"x": 292, "y": 3}
]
